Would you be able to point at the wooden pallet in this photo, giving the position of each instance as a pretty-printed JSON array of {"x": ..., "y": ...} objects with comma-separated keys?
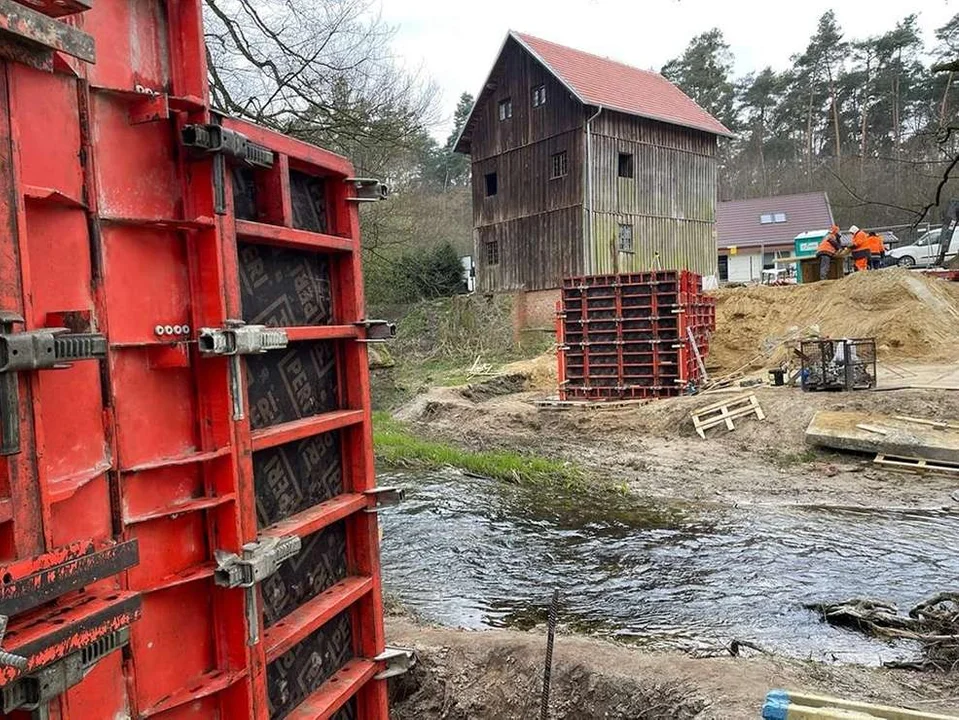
[
  {"x": 723, "y": 413},
  {"x": 917, "y": 465}
]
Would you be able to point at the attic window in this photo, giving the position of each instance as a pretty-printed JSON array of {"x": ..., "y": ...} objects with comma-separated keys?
[
  {"x": 505, "y": 109},
  {"x": 625, "y": 165},
  {"x": 772, "y": 218},
  {"x": 626, "y": 238},
  {"x": 539, "y": 95}
]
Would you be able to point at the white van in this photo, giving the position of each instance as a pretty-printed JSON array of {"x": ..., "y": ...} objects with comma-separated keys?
[{"x": 924, "y": 252}]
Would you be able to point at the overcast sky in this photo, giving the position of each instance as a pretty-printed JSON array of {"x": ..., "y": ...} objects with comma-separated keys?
[{"x": 455, "y": 42}]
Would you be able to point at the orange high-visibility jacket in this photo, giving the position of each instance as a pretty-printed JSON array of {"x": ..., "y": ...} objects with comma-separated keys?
[
  {"x": 830, "y": 245},
  {"x": 876, "y": 245},
  {"x": 860, "y": 241}
]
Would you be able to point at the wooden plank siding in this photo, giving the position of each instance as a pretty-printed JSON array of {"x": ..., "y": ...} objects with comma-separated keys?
[
  {"x": 539, "y": 225},
  {"x": 670, "y": 201},
  {"x": 537, "y": 220},
  {"x": 535, "y": 252}
]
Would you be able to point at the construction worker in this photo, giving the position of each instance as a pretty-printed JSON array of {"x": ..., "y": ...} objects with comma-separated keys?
[
  {"x": 860, "y": 248},
  {"x": 877, "y": 251},
  {"x": 830, "y": 245}
]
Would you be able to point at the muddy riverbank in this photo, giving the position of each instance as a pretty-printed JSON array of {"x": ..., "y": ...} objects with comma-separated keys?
[
  {"x": 653, "y": 450},
  {"x": 496, "y": 674}
]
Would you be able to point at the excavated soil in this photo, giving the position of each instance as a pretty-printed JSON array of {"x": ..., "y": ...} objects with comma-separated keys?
[
  {"x": 497, "y": 675},
  {"x": 912, "y": 316}
]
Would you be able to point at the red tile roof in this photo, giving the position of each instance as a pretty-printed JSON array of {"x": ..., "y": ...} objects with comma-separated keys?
[
  {"x": 738, "y": 222},
  {"x": 609, "y": 84}
]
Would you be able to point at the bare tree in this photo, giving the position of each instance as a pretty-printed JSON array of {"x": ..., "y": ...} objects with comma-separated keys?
[{"x": 321, "y": 70}]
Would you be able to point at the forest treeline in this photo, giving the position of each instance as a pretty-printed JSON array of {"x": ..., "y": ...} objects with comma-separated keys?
[{"x": 864, "y": 118}]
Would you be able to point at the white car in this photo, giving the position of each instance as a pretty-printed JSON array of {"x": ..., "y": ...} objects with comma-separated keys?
[{"x": 924, "y": 252}]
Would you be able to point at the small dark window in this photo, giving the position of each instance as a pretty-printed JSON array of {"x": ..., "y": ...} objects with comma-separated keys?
[
  {"x": 559, "y": 165},
  {"x": 539, "y": 95},
  {"x": 626, "y": 238},
  {"x": 723, "y": 268},
  {"x": 625, "y": 165},
  {"x": 491, "y": 185},
  {"x": 492, "y": 252},
  {"x": 505, "y": 109}
]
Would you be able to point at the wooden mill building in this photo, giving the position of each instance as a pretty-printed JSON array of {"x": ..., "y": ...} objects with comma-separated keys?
[{"x": 583, "y": 165}]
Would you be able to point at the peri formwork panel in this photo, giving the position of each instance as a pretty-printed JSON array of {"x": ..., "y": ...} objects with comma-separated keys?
[
  {"x": 630, "y": 336},
  {"x": 137, "y": 487}
]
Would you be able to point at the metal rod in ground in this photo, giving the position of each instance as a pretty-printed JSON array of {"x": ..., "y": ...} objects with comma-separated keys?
[{"x": 547, "y": 670}]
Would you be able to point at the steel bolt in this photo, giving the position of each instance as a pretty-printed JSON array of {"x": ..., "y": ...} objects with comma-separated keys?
[
  {"x": 186, "y": 329},
  {"x": 158, "y": 330},
  {"x": 168, "y": 329},
  {"x": 177, "y": 329}
]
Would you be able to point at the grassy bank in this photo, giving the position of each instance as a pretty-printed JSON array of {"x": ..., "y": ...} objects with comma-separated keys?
[{"x": 397, "y": 447}]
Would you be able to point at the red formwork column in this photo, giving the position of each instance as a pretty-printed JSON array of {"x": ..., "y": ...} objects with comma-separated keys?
[
  {"x": 306, "y": 443},
  {"x": 59, "y": 555},
  {"x": 176, "y": 480}
]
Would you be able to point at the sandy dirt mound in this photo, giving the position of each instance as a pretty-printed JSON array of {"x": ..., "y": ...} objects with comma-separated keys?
[
  {"x": 911, "y": 316},
  {"x": 541, "y": 372}
]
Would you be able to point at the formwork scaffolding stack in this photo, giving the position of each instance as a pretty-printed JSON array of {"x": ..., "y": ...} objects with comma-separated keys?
[
  {"x": 187, "y": 501},
  {"x": 641, "y": 335}
]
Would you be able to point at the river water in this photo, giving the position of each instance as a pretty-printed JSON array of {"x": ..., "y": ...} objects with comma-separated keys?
[{"x": 470, "y": 552}]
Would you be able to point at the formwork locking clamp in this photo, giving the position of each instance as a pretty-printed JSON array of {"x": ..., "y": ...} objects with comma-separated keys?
[
  {"x": 377, "y": 330},
  {"x": 34, "y": 692},
  {"x": 367, "y": 190},
  {"x": 237, "y": 339},
  {"x": 44, "y": 349},
  {"x": 381, "y": 497},
  {"x": 258, "y": 560},
  {"x": 222, "y": 144},
  {"x": 396, "y": 661}
]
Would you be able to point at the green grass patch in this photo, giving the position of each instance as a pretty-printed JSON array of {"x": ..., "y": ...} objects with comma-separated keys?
[{"x": 397, "y": 447}]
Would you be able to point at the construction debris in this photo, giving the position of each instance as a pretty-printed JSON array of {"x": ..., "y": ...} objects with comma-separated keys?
[
  {"x": 723, "y": 413},
  {"x": 887, "y": 435}
]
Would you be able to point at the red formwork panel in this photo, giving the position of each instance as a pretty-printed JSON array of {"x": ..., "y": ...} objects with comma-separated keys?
[
  {"x": 142, "y": 475},
  {"x": 631, "y": 336}
]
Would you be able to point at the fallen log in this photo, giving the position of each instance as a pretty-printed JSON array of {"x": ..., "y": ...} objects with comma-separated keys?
[{"x": 934, "y": 623}]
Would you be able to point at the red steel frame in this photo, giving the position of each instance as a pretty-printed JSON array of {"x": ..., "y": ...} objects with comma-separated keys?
[
  {"x": 111, "y": 222},
  {"x": 628, "y": 336}
]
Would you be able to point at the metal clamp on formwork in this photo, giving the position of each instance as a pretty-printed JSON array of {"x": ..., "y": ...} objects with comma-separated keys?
[
  {"x": 398, "y": 661},
  {"x": 46, "y": 349},
  {"x": 241, "y": 339},
  {"x": 368, "y": 190},
  {"x": 257, "y": 561},
  {"x": 382, "y": 497},
  {"x": 377, "y": 330},
  {"x": 33, "y": 693},
  {"x": 216, "y": 139},
  {"x": 235, "y": 340},
  {"x": 223, "y": 144}
]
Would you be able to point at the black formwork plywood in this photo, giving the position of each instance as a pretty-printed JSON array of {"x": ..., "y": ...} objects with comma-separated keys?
[
  {"x": 283, "y": 287},
  {"x": 293, "y": 676},
  {"x": 320, "y": 564}
]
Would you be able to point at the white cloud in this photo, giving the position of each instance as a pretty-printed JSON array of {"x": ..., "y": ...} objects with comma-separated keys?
[{"x": 456, "y": 43}]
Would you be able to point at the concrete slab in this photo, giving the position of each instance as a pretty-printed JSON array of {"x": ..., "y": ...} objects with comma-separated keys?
[{"x": 870, "y": 433}]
